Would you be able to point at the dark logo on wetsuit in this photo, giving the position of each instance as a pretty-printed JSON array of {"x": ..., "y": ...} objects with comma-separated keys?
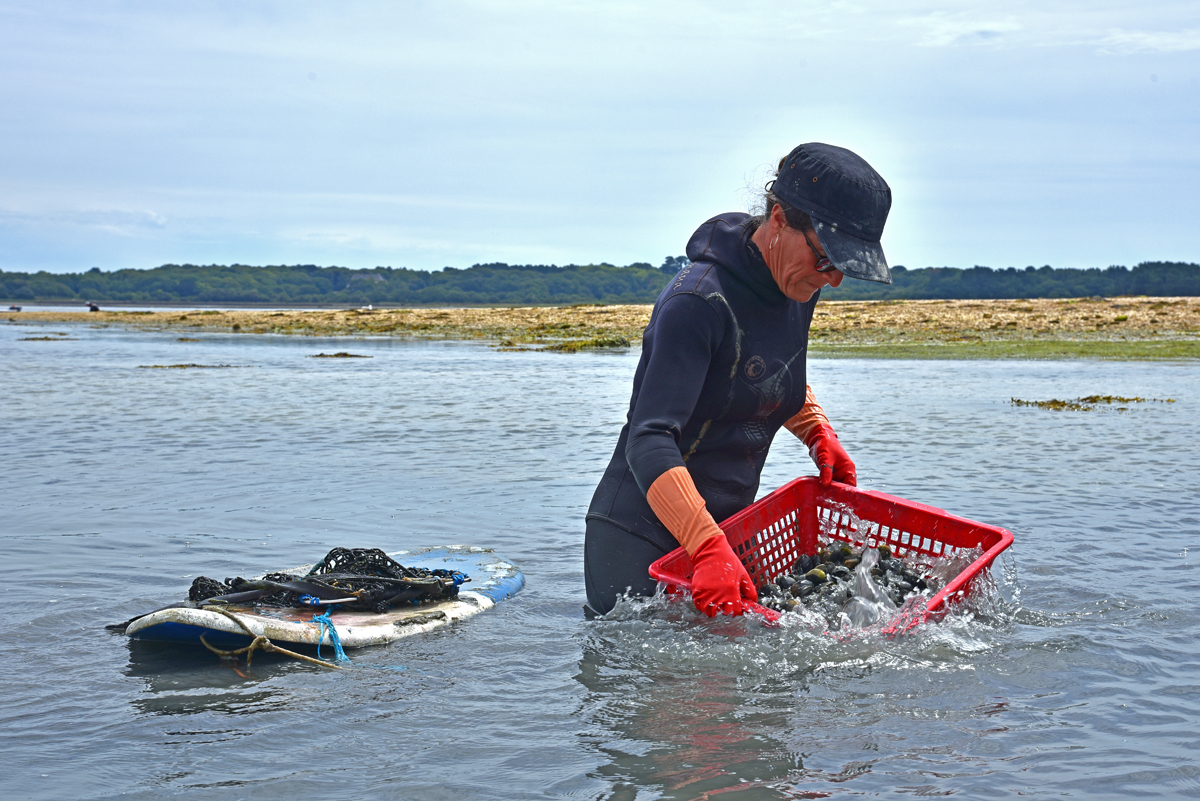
[{"x": 756, "y": 368}]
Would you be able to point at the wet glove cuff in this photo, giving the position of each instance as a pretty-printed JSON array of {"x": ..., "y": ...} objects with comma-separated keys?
[
  {"x": 810, "y": 417},
  {"x": 677, "y": 503},
  {"x": 817, "y": 433}
]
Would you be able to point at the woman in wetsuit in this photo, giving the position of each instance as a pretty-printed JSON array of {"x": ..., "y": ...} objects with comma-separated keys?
[{"x": 722, "y": 369}]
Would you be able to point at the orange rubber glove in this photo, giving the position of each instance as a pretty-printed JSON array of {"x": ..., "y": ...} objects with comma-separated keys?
[
  {"x": 719, "y": 581},
  {"x": 812, "y": 427},
  {"x": 808, "y": 418}
]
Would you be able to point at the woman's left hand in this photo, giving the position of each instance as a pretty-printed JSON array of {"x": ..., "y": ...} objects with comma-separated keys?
[{"x": 830, "y": 457}]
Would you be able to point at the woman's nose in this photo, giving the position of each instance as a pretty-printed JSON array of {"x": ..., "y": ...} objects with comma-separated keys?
[{"x": 834, "y": 277}]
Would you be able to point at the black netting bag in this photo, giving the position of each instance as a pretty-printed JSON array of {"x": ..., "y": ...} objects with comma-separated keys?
[{"x": 351, "y": 578}]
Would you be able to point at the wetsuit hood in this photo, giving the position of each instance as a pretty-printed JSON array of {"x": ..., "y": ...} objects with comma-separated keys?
[{"x": 725, "y": 241}]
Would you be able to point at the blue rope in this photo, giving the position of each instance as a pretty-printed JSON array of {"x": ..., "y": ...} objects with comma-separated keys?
[{"x": 326, "y": 621}]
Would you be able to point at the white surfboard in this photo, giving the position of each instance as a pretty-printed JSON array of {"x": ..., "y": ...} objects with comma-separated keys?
[{"x": 492, "y": 580}]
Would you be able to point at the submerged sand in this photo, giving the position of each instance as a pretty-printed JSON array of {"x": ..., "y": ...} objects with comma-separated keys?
[{"x": 1139, "y": 327}]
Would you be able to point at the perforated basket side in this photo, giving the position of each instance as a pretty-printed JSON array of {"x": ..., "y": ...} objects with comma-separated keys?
[
  {"x": 771, "y": 534},
  {"x": 912, "y": 530}
]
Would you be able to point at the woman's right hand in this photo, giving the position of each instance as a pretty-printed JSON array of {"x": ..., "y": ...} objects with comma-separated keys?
[{"x": 720, "y": 584}]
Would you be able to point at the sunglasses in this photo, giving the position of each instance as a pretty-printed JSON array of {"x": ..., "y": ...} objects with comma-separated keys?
[{"x": 824, "y": 265}]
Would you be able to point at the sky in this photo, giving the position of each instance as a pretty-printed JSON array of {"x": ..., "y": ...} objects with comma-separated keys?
[{"x": 448, "y": 133}]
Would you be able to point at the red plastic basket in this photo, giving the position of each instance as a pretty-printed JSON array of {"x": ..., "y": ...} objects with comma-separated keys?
[{"x": 770, "y": 534}]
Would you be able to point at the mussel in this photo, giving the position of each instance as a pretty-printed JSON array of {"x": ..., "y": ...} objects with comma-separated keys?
[{"x": 827, "y": 581}]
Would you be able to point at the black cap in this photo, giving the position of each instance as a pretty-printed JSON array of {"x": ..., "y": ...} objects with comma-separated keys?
[{"x": 848, "y": 203}]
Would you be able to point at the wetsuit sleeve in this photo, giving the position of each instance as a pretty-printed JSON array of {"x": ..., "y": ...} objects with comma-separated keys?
[
  {"x": 808, "y": 419},
  {"x": 679, "y": 345}
]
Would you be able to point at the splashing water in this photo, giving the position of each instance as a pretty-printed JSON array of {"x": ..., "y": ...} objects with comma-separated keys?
[
  {"x": 667, "y": 637},
  {"x": 870, "y": 603}
]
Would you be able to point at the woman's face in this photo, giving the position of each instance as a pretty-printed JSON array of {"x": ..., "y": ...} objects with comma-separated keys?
[{"x": 793, "y": 260}]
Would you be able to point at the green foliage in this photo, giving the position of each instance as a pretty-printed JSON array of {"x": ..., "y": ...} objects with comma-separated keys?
[
  {"x": 483, "y": 284},
  {"x": 503, "y": 284},
  {"x": 673, "y": 264},
  {"x": 950, "y": 283}
]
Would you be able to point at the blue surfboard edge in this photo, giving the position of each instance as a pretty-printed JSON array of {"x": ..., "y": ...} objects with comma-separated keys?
[{"x": 492, "y": 576}]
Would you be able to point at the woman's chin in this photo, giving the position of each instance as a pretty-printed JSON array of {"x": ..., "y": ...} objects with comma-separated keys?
[{"x": 801, "y": 294}]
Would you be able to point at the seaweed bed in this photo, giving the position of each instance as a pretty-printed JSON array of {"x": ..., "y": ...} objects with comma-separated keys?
[
  {"x": 1088, "y": 403},
  {"x": 1102, "y": 328},
  {"x": 182, "y": 366}
]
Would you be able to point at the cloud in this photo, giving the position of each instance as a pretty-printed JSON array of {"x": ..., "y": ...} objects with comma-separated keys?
[
  {"x": 120, "y": 222},
  {"x": 941, "y": 29},
  {"x": 1119, "y": 41},
  {"x": 472, "y": 130}
]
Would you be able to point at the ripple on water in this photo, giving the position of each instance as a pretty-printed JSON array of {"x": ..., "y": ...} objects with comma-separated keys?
[{"x": 1074, "y": 675}]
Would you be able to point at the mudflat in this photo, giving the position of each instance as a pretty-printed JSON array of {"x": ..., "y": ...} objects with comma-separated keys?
[
  {"x": 1121, "y": 327},
  {"x": 1117, "y": 328}
]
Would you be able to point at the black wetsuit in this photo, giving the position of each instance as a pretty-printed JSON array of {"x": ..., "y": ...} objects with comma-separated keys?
[{"x": 722, "y": 369}]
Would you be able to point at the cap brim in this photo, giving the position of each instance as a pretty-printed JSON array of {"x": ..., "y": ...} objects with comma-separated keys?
[{"x": 857, "y": 258}]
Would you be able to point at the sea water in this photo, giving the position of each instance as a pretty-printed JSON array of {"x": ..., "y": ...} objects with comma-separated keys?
[{"x": 1079, "y": 676}]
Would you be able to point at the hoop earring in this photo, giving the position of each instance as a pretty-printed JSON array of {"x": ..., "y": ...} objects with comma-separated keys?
[{"x": 774, "y": 242}]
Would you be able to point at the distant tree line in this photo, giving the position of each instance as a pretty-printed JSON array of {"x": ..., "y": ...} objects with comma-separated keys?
[
  {"x": 504, "y": 284},
  {"x": 1162, "y": 278},
  {"x": 482, "y": 284}
]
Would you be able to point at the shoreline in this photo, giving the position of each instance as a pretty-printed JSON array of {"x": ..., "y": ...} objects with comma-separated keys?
[{"x": 1104, "y": 328}]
